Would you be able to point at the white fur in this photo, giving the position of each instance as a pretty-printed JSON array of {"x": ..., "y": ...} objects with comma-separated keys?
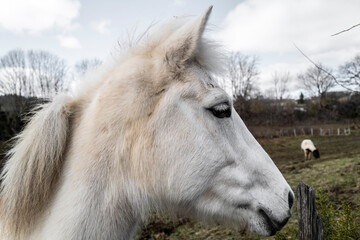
[
  {"x": 307, "y": 144},
  {"x": 141, "y": 139}
]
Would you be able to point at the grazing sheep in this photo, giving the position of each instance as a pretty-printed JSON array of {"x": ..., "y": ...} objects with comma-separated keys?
[{"x": 308, "y": 146}]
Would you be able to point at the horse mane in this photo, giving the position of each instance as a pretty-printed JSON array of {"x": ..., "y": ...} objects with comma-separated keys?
[
  {"x": 35, "y": 162},
  {"x": 33, "y": 166},
  {"x": 210, "y": 55}
]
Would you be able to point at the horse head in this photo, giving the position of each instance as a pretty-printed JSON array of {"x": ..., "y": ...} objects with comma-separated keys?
[{"x": 192, "y": 154}]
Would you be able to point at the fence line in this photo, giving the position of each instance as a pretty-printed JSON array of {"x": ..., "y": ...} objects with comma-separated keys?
[{"x": 303, "y": 131}]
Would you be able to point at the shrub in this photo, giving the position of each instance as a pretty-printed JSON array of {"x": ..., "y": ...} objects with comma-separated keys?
[{"x": 342, "y": 223}]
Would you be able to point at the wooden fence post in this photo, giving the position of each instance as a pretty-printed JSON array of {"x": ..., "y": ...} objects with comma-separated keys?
[{"x": 310, "y": 224}]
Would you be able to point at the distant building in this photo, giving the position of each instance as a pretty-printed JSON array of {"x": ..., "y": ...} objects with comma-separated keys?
[{"x": 300, "y": 109}]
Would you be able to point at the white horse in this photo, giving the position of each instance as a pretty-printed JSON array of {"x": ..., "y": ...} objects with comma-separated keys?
[{"x": 155, "y": 133}]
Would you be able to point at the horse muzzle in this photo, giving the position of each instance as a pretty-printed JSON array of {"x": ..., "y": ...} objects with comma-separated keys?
[{"x": 272, "y": 224}]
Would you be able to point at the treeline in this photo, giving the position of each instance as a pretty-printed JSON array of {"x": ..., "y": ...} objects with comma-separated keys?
[
  {"x": 28, "y": 78},
  {"x": 275, "y": 108},
  {"x": 338, "y": 107}
]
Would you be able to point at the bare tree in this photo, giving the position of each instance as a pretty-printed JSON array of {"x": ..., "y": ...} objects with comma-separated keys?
[
  {"x": 325, "y": 71},
  {"x": 349, "y": 73},
  {"x": 13, "y": 74},
  {"x": 48, "y": 73},
  {"x": 280, "y": 81},
  {"x": 27, "y": 79},
  {"x": 85, "y": 65},
  {"x": 14, "y": 82},
  {"x": 317, "y": 81},
  {"x": 243, "y": 73},
  {"x": 32, "y": 74}
]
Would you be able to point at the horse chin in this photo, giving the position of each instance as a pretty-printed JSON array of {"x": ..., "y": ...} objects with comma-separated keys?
[
  {"x": 262, "y": 230},
  {"x": 264, "y": 225},
  {"x": 255, "y": 224},
  {"x": 243, "y": 219}
]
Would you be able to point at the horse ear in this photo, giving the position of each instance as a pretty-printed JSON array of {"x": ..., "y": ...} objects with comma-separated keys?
[{"x": 182, "y": 45}]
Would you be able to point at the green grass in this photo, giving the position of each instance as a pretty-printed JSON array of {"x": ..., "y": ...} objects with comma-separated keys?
[
  {"x": 335, "y": 175},
  {"x": 337, "y": 172}
]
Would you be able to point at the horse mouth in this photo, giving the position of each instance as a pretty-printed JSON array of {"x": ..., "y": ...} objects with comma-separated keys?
[{"x": 272, "y": 225}]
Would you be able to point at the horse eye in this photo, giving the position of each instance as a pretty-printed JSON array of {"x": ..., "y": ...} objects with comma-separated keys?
[{"x": 221, "y": 110}]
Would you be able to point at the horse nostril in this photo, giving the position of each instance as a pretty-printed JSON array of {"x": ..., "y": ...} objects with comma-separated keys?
[{"x": 291, "y": 199}]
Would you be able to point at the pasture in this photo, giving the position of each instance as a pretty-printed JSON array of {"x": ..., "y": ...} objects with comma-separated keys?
[{"x": 336, "y": 176}]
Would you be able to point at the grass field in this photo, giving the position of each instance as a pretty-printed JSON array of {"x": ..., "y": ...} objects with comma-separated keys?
[{"x": 336, "y": 175}]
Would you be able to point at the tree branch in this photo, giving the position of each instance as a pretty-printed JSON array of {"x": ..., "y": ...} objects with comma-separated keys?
[
  {"x": 346, "y": 30},
  {"x": 320, "y": 68}
]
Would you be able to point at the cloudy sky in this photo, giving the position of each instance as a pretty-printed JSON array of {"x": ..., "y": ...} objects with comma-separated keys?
[{"x": 74, "y": 29}]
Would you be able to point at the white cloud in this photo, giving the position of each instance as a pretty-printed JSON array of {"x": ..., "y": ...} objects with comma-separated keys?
[
  {"x": 272, "y": 26},
  {"x": 68, "y": 41},
  {"x": 269, "y": 30},
  {"x": 34, "y": 16},
  {"x": 102, "y": 26},
  {"x": 179, "y": 2}
]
